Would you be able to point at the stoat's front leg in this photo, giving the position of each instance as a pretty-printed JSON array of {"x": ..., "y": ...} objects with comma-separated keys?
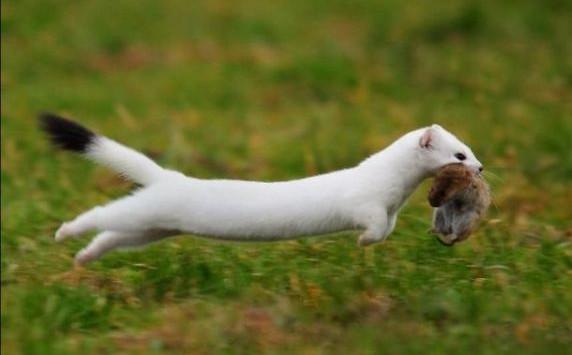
[{"x": 376, "y": 226}]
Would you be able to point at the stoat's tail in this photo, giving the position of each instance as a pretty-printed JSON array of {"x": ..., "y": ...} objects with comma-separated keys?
[{"x": 68, "y": 135}]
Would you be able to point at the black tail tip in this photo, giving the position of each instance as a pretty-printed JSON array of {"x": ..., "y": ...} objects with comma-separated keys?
[{"x": 64, "y": 133}]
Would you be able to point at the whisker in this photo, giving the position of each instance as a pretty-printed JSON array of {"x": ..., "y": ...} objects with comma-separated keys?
[{"x": 490, "y": 174}]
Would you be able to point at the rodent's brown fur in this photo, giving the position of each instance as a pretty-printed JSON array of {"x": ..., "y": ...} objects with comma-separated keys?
[{"x": 461, "y": 198}]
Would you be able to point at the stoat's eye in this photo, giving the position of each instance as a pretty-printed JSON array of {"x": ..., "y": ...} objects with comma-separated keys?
[{"x": 460, "y": 156}]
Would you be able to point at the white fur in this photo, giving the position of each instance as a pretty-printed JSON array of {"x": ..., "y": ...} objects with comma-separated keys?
[
  {"x": 367, "y": 196},
  {"x": 128, "y": 162}
]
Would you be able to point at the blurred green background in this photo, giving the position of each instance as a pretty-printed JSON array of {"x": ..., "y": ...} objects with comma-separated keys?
[{"x": 281, "y": 89}]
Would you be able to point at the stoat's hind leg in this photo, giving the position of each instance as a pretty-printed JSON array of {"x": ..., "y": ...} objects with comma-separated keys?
[
  {"x": 107, "y": 241},
  {"x": 83, "y": 223},
  {"x": 126, "y": 214}
]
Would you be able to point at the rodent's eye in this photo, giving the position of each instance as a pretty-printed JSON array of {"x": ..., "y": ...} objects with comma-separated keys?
[{"x": 460, "y": 156}]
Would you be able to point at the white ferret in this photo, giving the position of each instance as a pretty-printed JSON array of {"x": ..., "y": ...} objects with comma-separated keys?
[{"x": 367, "y": 196}]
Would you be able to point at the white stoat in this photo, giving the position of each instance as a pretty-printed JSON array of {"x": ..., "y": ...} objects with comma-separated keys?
[{"x": 367, "y": 196}]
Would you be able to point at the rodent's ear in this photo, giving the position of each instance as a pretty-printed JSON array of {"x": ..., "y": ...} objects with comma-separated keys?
[{"x": 427, "y": 138}]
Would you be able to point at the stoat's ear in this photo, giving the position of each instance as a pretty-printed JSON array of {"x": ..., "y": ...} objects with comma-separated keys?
[{"x": 427, "y": 138}]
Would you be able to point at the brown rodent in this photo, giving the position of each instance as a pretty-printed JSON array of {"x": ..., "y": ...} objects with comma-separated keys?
[{"x": 461, "y": 198}]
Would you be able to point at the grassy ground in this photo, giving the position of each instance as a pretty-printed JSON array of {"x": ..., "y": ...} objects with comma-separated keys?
[{"x": 275, "y": 90}]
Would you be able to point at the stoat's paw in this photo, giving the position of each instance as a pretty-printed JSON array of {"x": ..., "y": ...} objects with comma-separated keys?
[
  {"x": 366, "y": 239},
  {"x": 63, "y": 232},
  {"x": 84, "y": 257}
]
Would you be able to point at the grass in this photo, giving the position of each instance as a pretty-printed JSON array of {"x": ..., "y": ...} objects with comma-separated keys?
[{"x": 276, "y": 90}]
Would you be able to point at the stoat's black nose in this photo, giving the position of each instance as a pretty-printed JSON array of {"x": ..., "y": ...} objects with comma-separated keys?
[{"x": 481, "y": 168}]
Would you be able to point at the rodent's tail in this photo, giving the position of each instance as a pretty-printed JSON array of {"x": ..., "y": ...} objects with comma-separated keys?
[{"x": 71, "y": 136}]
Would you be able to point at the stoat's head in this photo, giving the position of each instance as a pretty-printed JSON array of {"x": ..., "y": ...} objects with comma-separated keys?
[{"x": 438, "y": 147}]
